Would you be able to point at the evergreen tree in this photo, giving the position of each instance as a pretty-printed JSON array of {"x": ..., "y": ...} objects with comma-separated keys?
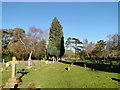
[{"x": 56, "y": 39}]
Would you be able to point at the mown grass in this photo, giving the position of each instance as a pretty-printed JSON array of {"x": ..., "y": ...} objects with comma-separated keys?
[
  {"x": 6, "y": 74},
  {"x": 56, "y": 76}
]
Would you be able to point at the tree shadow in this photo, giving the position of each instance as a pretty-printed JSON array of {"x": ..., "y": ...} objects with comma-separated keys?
[
  {"x": 100, "y": 67},
  {"x": 116, "y": 79}
]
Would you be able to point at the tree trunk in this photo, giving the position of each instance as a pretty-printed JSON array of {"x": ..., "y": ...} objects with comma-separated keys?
[
  {"x": 29, "y": 60},
  {"x": 88, "y": 55}
]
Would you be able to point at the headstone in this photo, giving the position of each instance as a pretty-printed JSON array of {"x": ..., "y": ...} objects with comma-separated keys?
[
  {"x": 1, "y": 69},
  {"x": 69, "y": 68},
  {"x": 111, "y": 66},
  {"x": 3, "y": 61},
  {"x": 7, "y": 64},
  {"x": 71, "y": 64},
  {"x": 12, "y": 81},
  {"x": 13, "y": 62},
  {"x": 84, "y": 65},
  {"x": 46, "y": 62}
]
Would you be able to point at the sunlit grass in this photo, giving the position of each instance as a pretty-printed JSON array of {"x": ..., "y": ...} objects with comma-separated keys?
[{"x": 55, "y": 76}]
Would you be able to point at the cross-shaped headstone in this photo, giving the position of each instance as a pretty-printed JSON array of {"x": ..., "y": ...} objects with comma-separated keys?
[{"x": 13, "y": 62}]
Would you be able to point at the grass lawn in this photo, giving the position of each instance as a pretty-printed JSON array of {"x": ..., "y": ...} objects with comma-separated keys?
[
  {"x": 6, "y": 74},
  {"x": 56, "y": 76}
]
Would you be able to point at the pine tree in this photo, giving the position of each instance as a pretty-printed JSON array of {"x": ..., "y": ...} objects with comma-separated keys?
[{"x": 56, "y": 40}]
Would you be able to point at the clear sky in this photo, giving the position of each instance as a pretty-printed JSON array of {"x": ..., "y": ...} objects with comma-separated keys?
[{"x": 91, "y": 20}]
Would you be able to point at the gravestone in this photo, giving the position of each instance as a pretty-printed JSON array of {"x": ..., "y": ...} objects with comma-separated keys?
[
  {"x": 1, "y": 69},
  {"x": 46, "y": 62},
  {"x": 14, "y": 62},
  {"x": 84, "y": 65},
  {"x": 71, "y": 64},
  {"x": 69, "y": 68},
  {"x": 12, "y": 81},
  {"x": 3, "y": 61},
  {"x": 7, "y": 64}
]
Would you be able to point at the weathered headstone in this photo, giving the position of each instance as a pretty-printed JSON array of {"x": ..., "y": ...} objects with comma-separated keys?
[
  {"x": 46, "y": 61},
  {"x": 53, "y": 59},
  {"x": 7, "y": 64},
  {"x": 12, "y": 81},
  {"x": 1, "y": 69},
  {"x": 69, "y": 68},
  {"x": 3, "y": 61},
  {"x": 14, "y": 62},
  {"x": 71, "y": 64},
  {"x": 84, "y": 65}
]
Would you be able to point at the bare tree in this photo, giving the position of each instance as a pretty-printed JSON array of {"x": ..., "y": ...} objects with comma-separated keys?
[
  {"x": 32, "y": 43},
  {"x": 33, "y": 38},
  {"x": 88, "y": 47}
]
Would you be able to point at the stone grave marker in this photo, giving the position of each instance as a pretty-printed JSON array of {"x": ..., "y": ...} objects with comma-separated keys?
[
  {"x": 7, "y": 64},
  {"x": 14, "y": 62},
  {"x": 12, "y": 81},
  {"x": 46, "y": 62},
  {"x": 69, "y": 68},
  {"x": 3, "y": 61},
  {"x": 71, "y": 64}
]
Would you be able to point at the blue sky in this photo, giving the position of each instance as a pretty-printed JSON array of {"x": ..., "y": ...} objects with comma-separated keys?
[{"x": 91, "y": 20}]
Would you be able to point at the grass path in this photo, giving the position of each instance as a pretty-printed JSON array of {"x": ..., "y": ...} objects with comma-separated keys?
[{"x": 55, "y": 76}]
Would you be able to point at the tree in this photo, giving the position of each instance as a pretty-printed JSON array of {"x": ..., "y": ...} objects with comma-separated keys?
[
  {"x": 68, "y": 54},
  {"x": 32, "y": 40},
  {"x": 6, "y": 35},
  {"x": 18, "y": 33},
  {"x": 113, "y": 45},
  {"x": 30, "y": 45},
  {"x": 56, "y": 40},
  {"x": 75, "y": 43},
  {"x": 40, "y": 50},
  {"x": 16, "y": 46},
  {"x": 68, "y": 42},
  {"x": 102, "y": 44},
  {"x": 18, "y": 49},
  {"x": 88, "y": 47}
]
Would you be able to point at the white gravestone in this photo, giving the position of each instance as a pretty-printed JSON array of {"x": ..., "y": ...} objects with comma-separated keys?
[
  {"x": 46, "y": 62},
  {"x": 7, "y": 64},
  {"x": 71, "y": 64},
  {"x": 69, "y": 68}
]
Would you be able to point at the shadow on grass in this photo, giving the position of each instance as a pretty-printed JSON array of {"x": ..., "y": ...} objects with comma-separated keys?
[
  {"x": 100, "y": 67},
  {"x": 116, "y": 79},
  {"x": 19, "y": 79}
]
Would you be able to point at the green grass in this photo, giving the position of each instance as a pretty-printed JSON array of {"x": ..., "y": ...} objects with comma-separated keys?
[
  {"x": 6, "y": 74},
  {"x": 55, "y": 76}
]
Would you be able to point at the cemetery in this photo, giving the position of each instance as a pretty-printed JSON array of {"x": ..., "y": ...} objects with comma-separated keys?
[
  {"x": 78, "y": 49},
  {"x": 54, "y": 75}
]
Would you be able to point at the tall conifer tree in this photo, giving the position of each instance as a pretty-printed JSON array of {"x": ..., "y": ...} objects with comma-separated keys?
[{"x": 56, "y": 39}]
